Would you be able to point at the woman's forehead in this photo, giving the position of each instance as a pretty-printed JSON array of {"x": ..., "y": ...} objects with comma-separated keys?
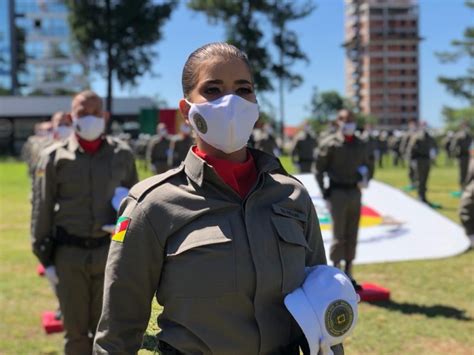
[{"x": 223, "y": 69}]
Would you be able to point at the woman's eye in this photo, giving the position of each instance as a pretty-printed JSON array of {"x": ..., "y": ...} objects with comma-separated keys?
[
  {"x": 244, "y": 91},
  {"x": 212, "y": 90}
]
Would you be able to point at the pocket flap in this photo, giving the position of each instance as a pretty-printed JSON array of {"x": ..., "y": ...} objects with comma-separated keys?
[
  {"x": 289, "y": 231},
  {"x": 203, "y": 236},
  {"x": 291, "y": 213}
]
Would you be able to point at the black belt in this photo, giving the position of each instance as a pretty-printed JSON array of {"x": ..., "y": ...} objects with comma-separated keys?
[
  {"x": 338, "y": 185},
  {"x": 64, "y": 238}
]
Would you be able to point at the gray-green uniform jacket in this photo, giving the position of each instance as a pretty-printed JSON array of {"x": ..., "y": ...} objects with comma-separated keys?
[
  {"x": 73, "y": 190},
  {"x": 219, "y": 265},
  {"x": 420, "y": 144},
  {"x": 340, "y": 160}
]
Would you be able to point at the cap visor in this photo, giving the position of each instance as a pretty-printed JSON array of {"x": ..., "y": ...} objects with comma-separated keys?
[{"x": 301, "y": 310}]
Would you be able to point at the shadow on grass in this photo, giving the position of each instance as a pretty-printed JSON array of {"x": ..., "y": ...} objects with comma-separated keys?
[
  {"x": 150, "y": 342},
  {"x": 428, "y": 311}
]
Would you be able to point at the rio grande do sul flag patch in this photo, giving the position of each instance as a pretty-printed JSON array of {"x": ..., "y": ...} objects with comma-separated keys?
[{"x": 121, "y": 229}]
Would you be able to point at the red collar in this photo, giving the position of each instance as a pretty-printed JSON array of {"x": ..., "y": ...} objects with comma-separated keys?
[
  {"x": 239, "y": 176},
  {"x": 90, "y": 147},
  {"x": 349, "y": 139}
]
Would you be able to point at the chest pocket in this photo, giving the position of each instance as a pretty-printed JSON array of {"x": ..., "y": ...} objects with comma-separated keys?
[
  {"x": 293, "y": 246},
  {"x": 200, "y": 262},
  {"x": 70, "y": 178}
]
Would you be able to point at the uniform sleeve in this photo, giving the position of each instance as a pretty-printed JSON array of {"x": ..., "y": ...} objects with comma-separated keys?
[
  {"x": 132, "y": 175},
  {"x": 131, "y": 277},
  {"x": 322, "y": 163},
  {"x": 316, "y": 255},
  {"x": 44, "y": 197}
]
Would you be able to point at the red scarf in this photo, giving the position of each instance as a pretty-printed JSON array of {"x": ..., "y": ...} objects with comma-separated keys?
[
  {"x": 348, "y": 139},
  {"x": 90, "y": 147},
  {"x": 239, "y": 176}
]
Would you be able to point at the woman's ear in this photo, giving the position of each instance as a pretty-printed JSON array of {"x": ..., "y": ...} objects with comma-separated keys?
[{"x": 184, "y": 108}]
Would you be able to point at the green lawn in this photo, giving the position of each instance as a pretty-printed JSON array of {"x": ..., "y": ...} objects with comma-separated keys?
[{"x": 430, "y": 312}]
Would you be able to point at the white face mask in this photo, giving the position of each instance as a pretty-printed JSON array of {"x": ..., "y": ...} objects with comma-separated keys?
[
  {"x": 349, "y": 128},
  {"x": 62, "y": 132},
  {"x": 89, "y": 127},
  {"x": 225, "y": 123}
]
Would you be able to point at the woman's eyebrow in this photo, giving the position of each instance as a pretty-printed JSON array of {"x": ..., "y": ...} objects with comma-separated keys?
[
  {"x": 215, "y": 81},
  {"x": 242, "y": 81}
]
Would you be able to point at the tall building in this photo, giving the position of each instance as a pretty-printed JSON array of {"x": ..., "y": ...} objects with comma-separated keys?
[
  {"x": 382, "y": 62},
  {"x": 46, "y": 63},
  {"x": 4, "y": 49}
]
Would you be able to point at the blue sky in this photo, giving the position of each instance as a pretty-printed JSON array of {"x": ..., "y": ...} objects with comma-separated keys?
[{"x": 320, "y": 35}]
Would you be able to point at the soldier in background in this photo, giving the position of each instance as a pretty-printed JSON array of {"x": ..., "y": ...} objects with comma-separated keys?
[
  {"x": 382, "y": 143},
  {"x": 180, "y": 146},
  {"x": 345, "y": 159},
  {"x": 394, "y": 146},
  {"x": 31, "y": 149},
  {"x": 75, "y": 181},
  {"x": 466, "y": 210},
  {"x": 46, "y": 133},
  {"x": 405, "y": 139},
  {"x": 157, "y": 155},
  {"x": 370, "y": 137},
  {"x": 266, "y": 141},
  {"x": 304, "y": 149},
  {"x": 421, "y": 151},
  {"x": 140, "y": 148},
  {"x": 447, "y": 143},
  {"x": 460, "y": 145}
]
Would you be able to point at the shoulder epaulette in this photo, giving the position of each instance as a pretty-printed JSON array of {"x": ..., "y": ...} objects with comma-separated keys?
[{"x": 140, "y": 190}]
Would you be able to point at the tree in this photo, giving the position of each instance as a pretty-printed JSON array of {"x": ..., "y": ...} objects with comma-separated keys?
[
  {"x": 460, "y": 86},
  {"x": 281, "y": 13},
  {"x": 242, "y": 30},
  {"x": 118, "y": 36},
  {"x": 325, "y": 105},
  {"x": 454, "y": 117}
]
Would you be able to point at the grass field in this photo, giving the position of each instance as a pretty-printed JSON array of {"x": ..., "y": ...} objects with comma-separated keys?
[{"x": 431, "y": 310}]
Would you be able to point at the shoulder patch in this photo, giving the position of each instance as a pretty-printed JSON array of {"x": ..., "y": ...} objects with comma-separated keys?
[
  {"x": 140, "y": 190},
  {"x": 121, "y": 229}
]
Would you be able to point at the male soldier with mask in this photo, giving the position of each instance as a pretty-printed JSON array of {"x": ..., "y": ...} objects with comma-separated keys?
[
  {"x": 460, "y": 146},
  {"x": 421, "y": 151},
  {"x": 75, "y": 181},
  {"x": 345, "y": 159},
  {"x": 304, "y": 149},
  {"x": 157, "y": 152}
]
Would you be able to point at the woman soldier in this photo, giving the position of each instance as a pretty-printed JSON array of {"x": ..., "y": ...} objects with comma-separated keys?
[{"x": 220, "y": 240}]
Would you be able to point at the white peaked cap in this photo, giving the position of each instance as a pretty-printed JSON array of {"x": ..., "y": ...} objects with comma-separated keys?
[{"x": 325, "y": 308}]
